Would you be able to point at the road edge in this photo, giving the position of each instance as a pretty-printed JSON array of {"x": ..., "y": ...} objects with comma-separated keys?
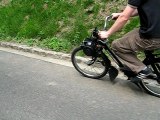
[
  {"x": 46, "y": 55},
  {"x": 36, "y": 50}
]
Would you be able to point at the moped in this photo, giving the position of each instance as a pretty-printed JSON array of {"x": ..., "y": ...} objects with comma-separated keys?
[{"x": 93, "y": 59}]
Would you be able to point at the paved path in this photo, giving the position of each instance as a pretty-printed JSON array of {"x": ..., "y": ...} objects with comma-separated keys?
[{"x": 34, "y": 89}]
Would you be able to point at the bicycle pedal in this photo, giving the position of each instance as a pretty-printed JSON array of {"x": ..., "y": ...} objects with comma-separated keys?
[
  {"x": 135, "y": 79},
  {"x": 139, "y": 86}
]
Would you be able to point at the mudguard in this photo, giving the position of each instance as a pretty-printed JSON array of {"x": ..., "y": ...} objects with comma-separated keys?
[{"x": 113, "y": 72}]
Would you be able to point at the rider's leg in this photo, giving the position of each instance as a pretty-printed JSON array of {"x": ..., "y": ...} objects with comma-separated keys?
[{"x": 127, "y": 47}]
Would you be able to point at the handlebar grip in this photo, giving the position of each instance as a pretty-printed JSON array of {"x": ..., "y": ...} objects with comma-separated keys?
[{"x": 109, "y": 18}]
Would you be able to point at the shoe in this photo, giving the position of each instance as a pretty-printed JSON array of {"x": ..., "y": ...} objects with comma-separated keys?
[{"x": 144, "y": 73}]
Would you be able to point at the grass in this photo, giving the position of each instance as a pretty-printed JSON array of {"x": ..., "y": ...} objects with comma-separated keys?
[{"x": 57, "y": 25}]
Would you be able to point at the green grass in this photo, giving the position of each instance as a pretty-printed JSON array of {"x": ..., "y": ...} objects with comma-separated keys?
[{"x": 59, "y": 25}]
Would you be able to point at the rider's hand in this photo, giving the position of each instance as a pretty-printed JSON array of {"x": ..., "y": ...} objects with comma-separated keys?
[
  {"x": 103, "y": 34},
  {"x": 115, "y": 15}
]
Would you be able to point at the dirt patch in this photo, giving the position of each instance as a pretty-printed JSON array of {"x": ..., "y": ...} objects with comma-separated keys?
[{"x": 4, "y": 2}]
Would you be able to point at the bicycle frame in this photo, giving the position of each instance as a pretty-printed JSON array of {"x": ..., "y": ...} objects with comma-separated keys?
[
  {"x": 127, "y": 71},
  {"x": 150, "y": 59},
  {"x": 114, "y": 57}
]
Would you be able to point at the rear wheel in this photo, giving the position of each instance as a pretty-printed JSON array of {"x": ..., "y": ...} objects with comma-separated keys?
[
  {"x": 89, "y": 66},
  {"x": 152, "y": 85}
]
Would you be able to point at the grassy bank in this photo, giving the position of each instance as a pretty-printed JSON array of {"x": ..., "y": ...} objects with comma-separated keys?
[{"x": 55, "y": 24}]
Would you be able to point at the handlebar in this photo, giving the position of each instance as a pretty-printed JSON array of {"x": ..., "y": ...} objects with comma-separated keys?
[
  {"x": 108, "y": 18},
  {"x": 95, "y": 31}
]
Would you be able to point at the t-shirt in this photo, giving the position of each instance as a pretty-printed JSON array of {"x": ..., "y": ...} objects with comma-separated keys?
[{"x": 149, "y": 13}]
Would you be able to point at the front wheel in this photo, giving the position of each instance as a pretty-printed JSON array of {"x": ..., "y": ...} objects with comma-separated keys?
[{"x": 89, "y": 66}]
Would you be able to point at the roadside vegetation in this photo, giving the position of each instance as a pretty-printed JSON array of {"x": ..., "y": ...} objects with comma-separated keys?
[{"x": 59, "y": 25}]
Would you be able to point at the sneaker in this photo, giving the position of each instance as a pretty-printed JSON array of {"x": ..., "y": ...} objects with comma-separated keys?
[{"x": 144, "y": 73}]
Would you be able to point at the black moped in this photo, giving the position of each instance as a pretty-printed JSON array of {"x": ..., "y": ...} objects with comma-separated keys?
[{"x": 93, "y": 59}]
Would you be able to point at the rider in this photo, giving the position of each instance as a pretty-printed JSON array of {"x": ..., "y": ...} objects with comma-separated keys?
[{"x": 147, "y": 37}]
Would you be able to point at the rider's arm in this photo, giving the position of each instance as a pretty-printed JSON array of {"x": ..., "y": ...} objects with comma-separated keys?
[
  {"x": 135, "y": 13},
  {"x": 116, "y": 15},
  {"x": 122, "y": 19},
  {"x": 120, "y": 22}
]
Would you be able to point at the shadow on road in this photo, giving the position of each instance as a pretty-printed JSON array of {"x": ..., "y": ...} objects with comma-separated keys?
[{"x": 123, "y": 84}]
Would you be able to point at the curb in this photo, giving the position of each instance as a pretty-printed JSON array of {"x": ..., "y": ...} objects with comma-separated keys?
[
  {"x": 37, "y": 51},
  {"x": 44, "y": 53}
]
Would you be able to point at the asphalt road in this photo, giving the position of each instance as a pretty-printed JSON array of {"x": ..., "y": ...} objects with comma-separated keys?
[{"x": 33, "y": 89}]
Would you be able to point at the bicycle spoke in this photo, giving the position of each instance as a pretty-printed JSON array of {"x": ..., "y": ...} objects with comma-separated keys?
[{"x": 89, "y": 66}]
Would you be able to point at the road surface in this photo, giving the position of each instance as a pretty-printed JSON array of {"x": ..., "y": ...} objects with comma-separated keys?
[{"x": 34, "y": 89}]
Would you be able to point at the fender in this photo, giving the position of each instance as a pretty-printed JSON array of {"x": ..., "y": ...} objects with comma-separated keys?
[{"x": 113, "y": 72}]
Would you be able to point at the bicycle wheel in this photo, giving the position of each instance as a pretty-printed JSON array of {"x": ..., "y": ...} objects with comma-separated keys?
[
  {"x": 152, "y": 86},
  {"x": 92, "y": 67}
]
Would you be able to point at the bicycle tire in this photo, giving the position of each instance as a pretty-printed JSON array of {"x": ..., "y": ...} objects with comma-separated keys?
[
  {"x": 151, "y": 86},
  {"x": 100, "y": 69}
]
